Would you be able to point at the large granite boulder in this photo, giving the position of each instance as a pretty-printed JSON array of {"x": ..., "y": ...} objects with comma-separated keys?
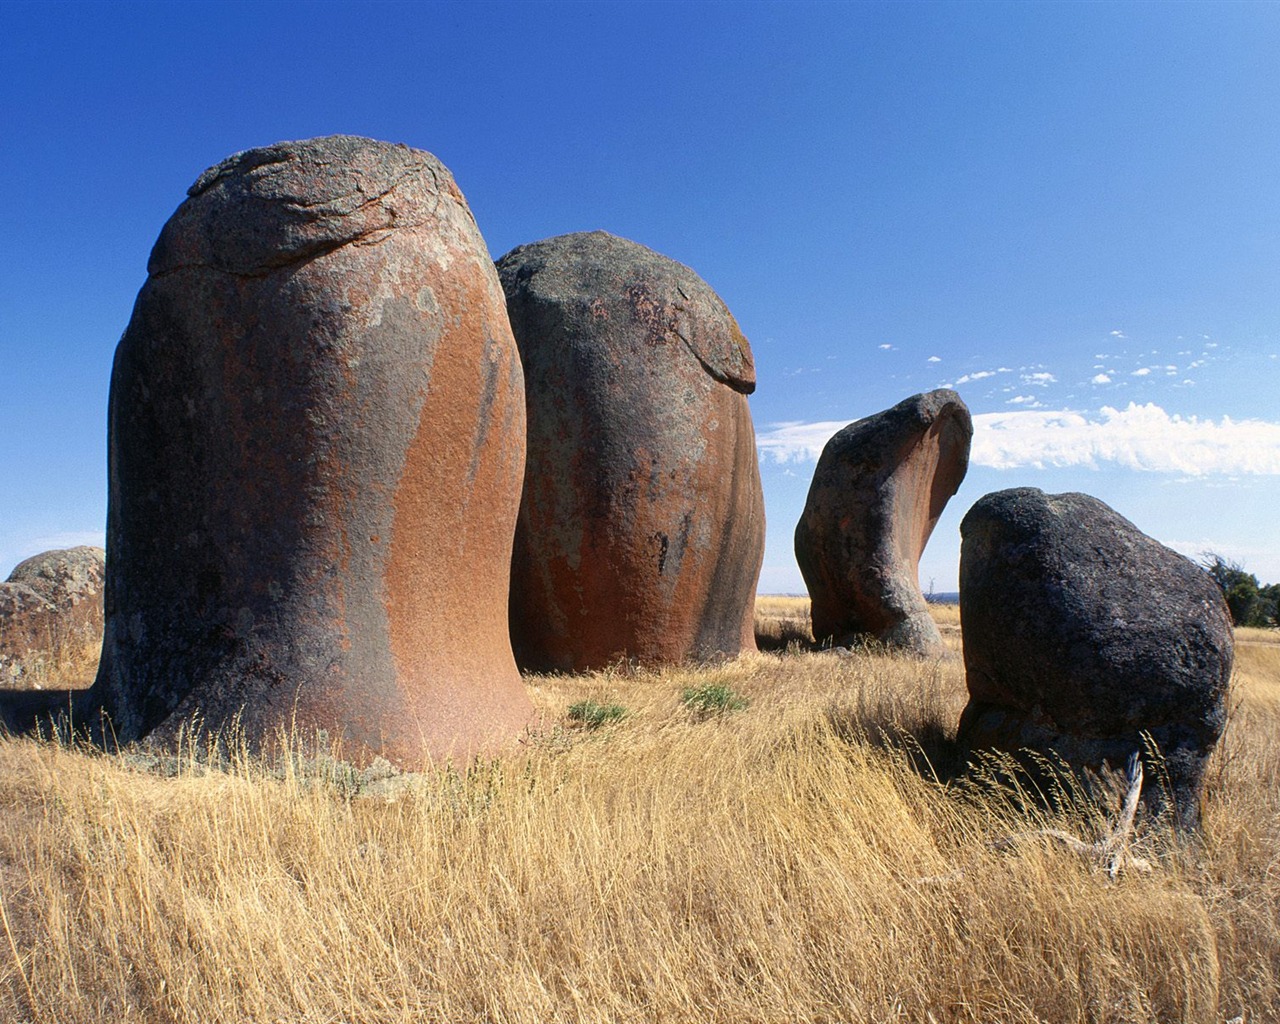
[
  {"x": 641, "y": 529},
  {"x": 51, "y": 619},
  {"x": 1082, "y": 636},
  {"x": 877, "y": 492},
  {"x": 316, "y": 445}
]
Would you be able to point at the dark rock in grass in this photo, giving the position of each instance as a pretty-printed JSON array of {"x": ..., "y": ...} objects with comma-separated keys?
[
  {"x": 877, "y": 492},
  {"x": 50, "y": 617},
  {"x": 316, "y": 446},
  {"x": 1082, "y": 636},
  {"x": 641, "y": 527}
]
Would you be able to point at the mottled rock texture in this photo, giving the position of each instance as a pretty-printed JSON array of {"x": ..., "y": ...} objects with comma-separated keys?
[
  {"x": 316, "y": 445},
  {"x": 641, "y": 528},
  {"x": 1081, "y": 634},
  {"x": 50, "y": 617},
  {"x": 877, "y": 492}
]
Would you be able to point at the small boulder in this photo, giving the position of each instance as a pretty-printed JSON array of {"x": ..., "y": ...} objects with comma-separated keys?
[
  {"x": 51, "y": 619},
  {"x": 641, "y": 528},
  {"x": 1082, "y": 636},
  {"x": 877, "y": 492}
]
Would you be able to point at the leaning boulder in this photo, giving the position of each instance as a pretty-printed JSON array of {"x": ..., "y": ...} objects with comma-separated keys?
[
  {"x": 316, "y": 444},
  {"x": 641, "y": 528},
  {"x": 1086, "y": 638},
  {"x": 51, "y": 619},
  {"x": 877, "y": 492}
]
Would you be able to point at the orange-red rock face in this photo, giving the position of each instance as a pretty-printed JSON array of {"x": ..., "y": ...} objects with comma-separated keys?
[
  {"x": 877, "y": 492},
  {"x": 316, "y": 451},
  {"x": 641, "y": 529}
]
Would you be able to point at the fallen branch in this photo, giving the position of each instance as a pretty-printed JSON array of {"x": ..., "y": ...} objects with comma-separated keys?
[{"x": 1111, "y": 852}]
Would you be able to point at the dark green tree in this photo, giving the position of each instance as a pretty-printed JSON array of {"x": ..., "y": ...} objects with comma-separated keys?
[{"x": 1251, "y": 604}]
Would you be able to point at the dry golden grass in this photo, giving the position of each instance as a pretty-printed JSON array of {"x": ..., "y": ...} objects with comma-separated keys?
[
  {"x": 784, "y": 620},
  {"x": 796, "y": 861},
  {"x": 68, "y": 662},
  {"x": 1252, "y": 635}
]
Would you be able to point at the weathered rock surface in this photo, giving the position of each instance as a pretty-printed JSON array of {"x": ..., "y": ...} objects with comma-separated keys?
[
  {"x": 641, "y": 529},
  {"x": 877, "y": 492},
  {"x": 1081, "y": 634},
  {"x": 50, "y": 617},
  {"x": 316, "y": 446}
]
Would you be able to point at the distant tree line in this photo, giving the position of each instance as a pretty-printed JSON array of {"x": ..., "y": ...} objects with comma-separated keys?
[{"x": 1251, "y": 603}]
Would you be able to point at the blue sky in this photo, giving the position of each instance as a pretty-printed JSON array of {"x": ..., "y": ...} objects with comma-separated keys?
[{"x": 1067, "y": 212}]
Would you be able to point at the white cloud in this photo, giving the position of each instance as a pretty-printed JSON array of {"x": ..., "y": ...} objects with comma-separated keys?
[
  {"x": 796, "y": 441},
  {"x": 983, "y": 374},
  {"x": 1141, "y": 437},
  {"x": 1101, "y": 378},
  {"x": 886, "y": 348},
  {"x": 1141, "y": 373},
  {"x": 1117, "y": 334},
  {"x": 66, "y": 539},
  {"x": 1039, "y": 379},
  {"x": 1030, "y": 401},
  {"x": 935, "y": 359}
]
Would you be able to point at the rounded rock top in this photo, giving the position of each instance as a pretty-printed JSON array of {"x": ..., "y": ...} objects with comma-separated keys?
[
  {"x": 267, "y": 207},
  {"x": 573, "y": 271}
]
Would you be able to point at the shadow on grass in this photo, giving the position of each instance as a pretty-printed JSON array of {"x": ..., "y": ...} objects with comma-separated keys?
[
  {"x": 927, "y": 744},
  {"x": 41, "y": 712},
  {"x": 779, "y": 636}
]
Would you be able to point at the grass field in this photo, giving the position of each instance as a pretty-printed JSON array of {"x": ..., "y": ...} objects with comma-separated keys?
[{"x": 807, "y": 857}]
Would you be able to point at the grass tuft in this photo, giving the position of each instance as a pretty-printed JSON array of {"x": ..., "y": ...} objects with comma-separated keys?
[
  {"x": 710, "y": 699},
  {"x": 592, "y": 714}
]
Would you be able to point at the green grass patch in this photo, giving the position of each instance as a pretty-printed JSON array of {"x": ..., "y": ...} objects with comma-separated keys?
[
  {"x": 713, "y": 699},
  {"x": 592, "y": 714}
]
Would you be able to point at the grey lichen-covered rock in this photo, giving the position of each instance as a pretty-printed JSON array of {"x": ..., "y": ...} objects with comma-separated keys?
[
  {"x": 66, "y": 577},
  {"x": 51, "y": 617},
  {"x": 641, "y": 529},
  {"x": 1082, "y": 635},
  {"x": 877, "y": 492},
  {"x": 316, "y": 446}
]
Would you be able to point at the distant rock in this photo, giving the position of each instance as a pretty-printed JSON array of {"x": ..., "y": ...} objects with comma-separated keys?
[
  {"x": 51, "y": 618},
  {"x": 316, "y": 448},
  {"x": 877, "y": 492},
  {"x": 641, "y": 529},
  {"x": 1082, "y": 634},
  {"x": 66, "y": 577}
]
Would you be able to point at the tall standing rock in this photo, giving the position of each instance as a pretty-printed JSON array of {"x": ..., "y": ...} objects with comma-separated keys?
[
  {"x": 641, "y": 529},
  {"x": 1082, "y": 634},
  {"x": 877, "y": 492},
  {"x": 316, "y": 448}
]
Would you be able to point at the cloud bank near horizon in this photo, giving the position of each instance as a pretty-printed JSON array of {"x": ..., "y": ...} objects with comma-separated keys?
[{"x": 1140, "y": 437}]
